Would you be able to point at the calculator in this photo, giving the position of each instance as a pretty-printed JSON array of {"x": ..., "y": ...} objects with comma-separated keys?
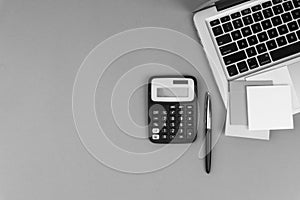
[{"x": 172, "y": 109}]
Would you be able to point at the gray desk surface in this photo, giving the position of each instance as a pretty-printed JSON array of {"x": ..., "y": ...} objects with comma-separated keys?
[{"x": 42, "y": 46}]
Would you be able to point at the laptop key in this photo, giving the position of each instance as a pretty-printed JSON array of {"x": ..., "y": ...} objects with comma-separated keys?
[
  {"x": 293, "y": 26},
  {"x": 276, "y": 21},
  {"x": 227, "y": 27},
  {"x": 262, "y": 36},
  {"x": 266, "y": 24},
  {"x": 224, "y": 39},
  {"x": 256, "y": 28},
  {"x": 234, "y": 57},
  {"x": 214, "y": 22},
  {"x": 264, "y": 59},
  {"x": 217, "y": 30},
  {"x": 225, "y": 18},
  {"x": 296, "y": 3},
  {"x": 291, "y": 37},
  {"x": 285, "y": 51},
  {"x": 252, "y": 63},
  {"x": 296, "y": 13},
  {"x": 251, "y": 52},
  {"x": 277, "y": 9},
  {"x": 246, "y": 31},
  {"x": 268, "y": 13},
  {"x": 242, "y": 66},
  {"x": 229, "y": 48},
  {"x": 281, "y": 41},
  {"x": 242, "y": 44},
  {"x": 236, "y": 35},
  {"x": 283, "y": 29},
  {"x": 266, "y": 4},
  {"x": 246, "y": 11},
  {"x": 237, "y": 23},
  {"x": 261, "y": 48},
  {"x": 235, "y": 15},
  {"x": 298, "y": 34},
  {"x": 232, "y": 70},
  {"x": 271, "y": 44},
  {"x": 256, "y": 8},
  {"x": 276, "y": 1},
  {"x": 252, "y": 40},
  {"x": 272, "y": 33},
  {"x": 286, "y": 17},
  {"x": 247, "y": 20},
  {"x": 257, "y": 16},
  {"x": 287, "y": 6}
]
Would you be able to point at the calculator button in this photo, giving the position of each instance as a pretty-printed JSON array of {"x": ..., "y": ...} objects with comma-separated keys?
[
  {"x": 172, "y": 118},
  {"x": 189, "y": 112},
  {"x": 164, "y": 137},
  {"x": 190, "y": 118},
  {"x": 156, "y": 124},
  {"x": 181, "y": 136},
  {"x": 172, "y": 130},
  {"x": 180, "y": 131},
  {"x": 189, "y": 133},
  {"x": 180, "y": 124},
  {"x": 164, "y": 118},
  {"x": 189, "y": 106},
  {"x": 164, "y": 112},
  {"x": 155, "y": 118},
  {"x": 181, "y": 106},
  {"x": 164, "y": 130},
  {"x": 172, "y": 137},
  {"x": 180, "y": 118},
  {"x": 181, "y": 112},
  {"x": 155, "y": 137},
  {"x": 172, "y": 124},
  {"x": 189, "y": 124},
  {"x": 155, "y": 112},
  {"x": 172, "y": 107},
  {"x": 172, "y": 112},
  {"x": 155, "y": 130}
]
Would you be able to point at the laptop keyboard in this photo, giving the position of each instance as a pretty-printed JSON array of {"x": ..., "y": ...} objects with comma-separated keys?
[{"x": 255, "y": 37}]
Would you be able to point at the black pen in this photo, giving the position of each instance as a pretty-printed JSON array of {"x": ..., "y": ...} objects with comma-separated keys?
[{"x": 208, "y": 133}]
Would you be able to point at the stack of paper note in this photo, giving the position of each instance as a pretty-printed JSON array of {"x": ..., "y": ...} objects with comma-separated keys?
[{"x": 261, "y": 103}]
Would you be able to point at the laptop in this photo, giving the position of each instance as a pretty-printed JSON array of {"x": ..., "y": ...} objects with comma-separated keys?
[{"x": 243, "y": 38}]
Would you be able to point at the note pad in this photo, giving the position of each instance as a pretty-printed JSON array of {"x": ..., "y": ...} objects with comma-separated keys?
[{"x": 269, "y": 107}]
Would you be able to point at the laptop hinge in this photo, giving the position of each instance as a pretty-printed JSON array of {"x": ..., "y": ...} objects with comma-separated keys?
[
  {"x": 205, "y": 5},
  {"x": 224, "y": 4},
  {"x": 219, "y": 4}
]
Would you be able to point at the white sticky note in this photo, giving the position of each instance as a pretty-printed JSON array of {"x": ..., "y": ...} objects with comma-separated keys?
[
  {"x": 280, "y": 76},
  {"x": 243, "y": 131},
  {"x": 269, "y": 107}
]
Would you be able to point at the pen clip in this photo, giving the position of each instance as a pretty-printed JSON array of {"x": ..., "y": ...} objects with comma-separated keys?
[{"x": 207, "y": 115}]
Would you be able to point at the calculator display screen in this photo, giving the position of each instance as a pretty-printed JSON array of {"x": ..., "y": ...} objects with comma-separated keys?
[{"x": 172, "y": 92}]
